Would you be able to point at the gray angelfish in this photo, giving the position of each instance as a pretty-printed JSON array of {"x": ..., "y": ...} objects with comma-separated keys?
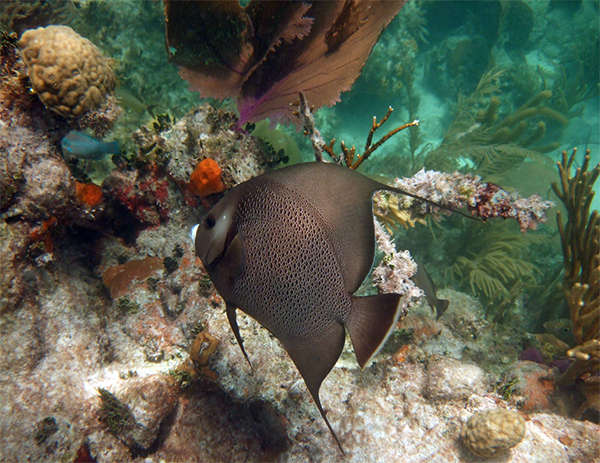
[{"x": 290, "y": 248}]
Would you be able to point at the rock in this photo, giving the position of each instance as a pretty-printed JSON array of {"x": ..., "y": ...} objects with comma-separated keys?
[{"x": 450, "y": 379}]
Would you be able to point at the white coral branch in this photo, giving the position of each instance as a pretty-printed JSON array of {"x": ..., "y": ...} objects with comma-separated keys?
[{"x": 394, "y": 272}]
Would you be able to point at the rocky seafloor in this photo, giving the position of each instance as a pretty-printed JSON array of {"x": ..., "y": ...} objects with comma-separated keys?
[{"x": 116, "y": 347}]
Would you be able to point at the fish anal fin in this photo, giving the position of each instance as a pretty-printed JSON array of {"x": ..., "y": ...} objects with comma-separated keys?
[
  {"x": 231, "y": 315},
  {"x": 371, "y": 321},
  {"x": 315, "y": 358}
]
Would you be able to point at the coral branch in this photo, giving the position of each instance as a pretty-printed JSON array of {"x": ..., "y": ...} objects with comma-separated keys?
[
  {"x": 484, "y": 200},
  {"x": 581, "y": 260},
  {"x": 394, "y": 272},
  {"x": 304, "y": 113}
]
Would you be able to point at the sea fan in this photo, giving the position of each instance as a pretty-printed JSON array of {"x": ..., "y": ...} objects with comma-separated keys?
[{"x": 267, "y": 52}]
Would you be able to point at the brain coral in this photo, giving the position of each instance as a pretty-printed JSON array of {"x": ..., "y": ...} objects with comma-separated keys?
[
  {"x": 68, "y": 72},
  {"x": 492, "y": 432}
]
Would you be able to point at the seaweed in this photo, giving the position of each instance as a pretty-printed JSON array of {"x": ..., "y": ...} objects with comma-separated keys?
[
  {"x": 581, "y": 260},
  {"x": 493, "y": 146},
  {"x": 113, "y": 412},
  {"x": 497, "y": 267}
]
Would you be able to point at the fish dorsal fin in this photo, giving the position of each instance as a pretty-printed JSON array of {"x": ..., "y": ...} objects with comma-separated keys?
[
  {"x": 315, "y": 359},
  {"x": 344, "y": 199},
  {"x": 372, "y": 319},
  {"x": 231, "y": 316}
]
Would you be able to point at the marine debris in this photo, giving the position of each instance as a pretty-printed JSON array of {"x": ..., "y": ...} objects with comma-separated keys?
[{"x": 263, "y": 54}]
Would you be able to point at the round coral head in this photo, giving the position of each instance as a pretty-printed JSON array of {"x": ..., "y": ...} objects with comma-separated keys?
[
  {"x": 88, "y": 194},
  {"x": 206, "y": 179}
]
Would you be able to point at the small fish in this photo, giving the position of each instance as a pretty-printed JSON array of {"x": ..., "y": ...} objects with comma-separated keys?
[
  {"x": 424, "y": 281},
  {"x": 289, "y": 248},
  {"x": 86, "y": 147},
  {"x": 561, "y": 329},
  {"x": 129, "y": 100}
]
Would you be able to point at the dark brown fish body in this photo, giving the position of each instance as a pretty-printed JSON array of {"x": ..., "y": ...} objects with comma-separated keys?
[{"x": 290, "y": 248}]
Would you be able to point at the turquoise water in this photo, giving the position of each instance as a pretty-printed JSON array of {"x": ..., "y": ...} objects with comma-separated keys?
[{"x": 500, "y": 90}]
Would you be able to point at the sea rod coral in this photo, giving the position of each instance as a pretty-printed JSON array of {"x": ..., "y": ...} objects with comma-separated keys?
[{"x": 581, "y": 280}]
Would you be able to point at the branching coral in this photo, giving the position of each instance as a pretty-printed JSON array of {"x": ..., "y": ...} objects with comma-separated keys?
[
  {"x": 348, "y": 154},
  {"x": 581, "y": 258}
]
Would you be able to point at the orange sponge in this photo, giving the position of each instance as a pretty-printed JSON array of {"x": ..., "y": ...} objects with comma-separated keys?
[
  {"x": 88, "y": 194},
  {"x": 206, "y": 179}
]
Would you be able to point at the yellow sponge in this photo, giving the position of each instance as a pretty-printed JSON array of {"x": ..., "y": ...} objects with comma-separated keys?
[{"x": 68, "y": 72}]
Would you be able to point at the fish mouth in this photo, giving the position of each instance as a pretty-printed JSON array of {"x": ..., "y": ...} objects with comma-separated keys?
[{"x": 193, "y": 232}]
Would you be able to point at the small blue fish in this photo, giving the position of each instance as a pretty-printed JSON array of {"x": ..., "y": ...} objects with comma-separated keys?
[{"x": 84, "y": 146}]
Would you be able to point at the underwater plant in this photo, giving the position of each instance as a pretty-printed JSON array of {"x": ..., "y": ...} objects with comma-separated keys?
[
  {"x": 494, "y": 146},
  {"x": 581, "y": 259},
  {"x": 497, "y": 266},
  {"x": 263, "y": 54}
]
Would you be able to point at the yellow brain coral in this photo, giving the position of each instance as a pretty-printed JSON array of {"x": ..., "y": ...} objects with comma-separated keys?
[
  {"x": 68, "y": 72},
  {"x": 492, "y": 432}
]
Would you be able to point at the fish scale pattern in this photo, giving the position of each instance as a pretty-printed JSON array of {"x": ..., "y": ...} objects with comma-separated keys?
[{"x": 296, "y": 284}]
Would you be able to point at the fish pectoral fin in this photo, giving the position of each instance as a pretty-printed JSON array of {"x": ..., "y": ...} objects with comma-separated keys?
[
  {"x": 233, "y": 260},
  {"x": 372, "y": 319},
  {"x": 315, "y": 358},
  {"x": 231, "y": 315}
]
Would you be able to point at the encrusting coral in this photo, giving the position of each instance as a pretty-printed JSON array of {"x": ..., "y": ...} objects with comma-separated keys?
[
  {"x": 68, "y": 72},
  {"x": 581, "y": 252}
]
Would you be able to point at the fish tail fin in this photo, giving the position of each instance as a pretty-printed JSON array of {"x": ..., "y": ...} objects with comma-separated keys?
[
  {"x": 371, "y": 321},
  {"x": 151, "y": 108},
  {"x": 112, "y": 147}
]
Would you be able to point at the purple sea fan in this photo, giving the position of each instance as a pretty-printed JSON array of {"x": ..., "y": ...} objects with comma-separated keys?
[{"x": 267, "y": 52}]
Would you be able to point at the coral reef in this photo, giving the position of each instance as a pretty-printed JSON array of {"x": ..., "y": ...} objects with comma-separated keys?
[
  {"x": 19, "y": 16},
  {"x": 152, "y": 372},
  {"x": 68, "y": 72},
  {"x": 493, "y": 432}
]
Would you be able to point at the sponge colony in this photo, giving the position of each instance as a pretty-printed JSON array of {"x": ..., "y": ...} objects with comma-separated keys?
[
  {"x": 206, "y": 178},
  {"x": 68, "y": 72}
]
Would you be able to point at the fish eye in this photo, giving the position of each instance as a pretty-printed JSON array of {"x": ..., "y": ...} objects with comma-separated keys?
[{"x": 209, "y": 222}]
